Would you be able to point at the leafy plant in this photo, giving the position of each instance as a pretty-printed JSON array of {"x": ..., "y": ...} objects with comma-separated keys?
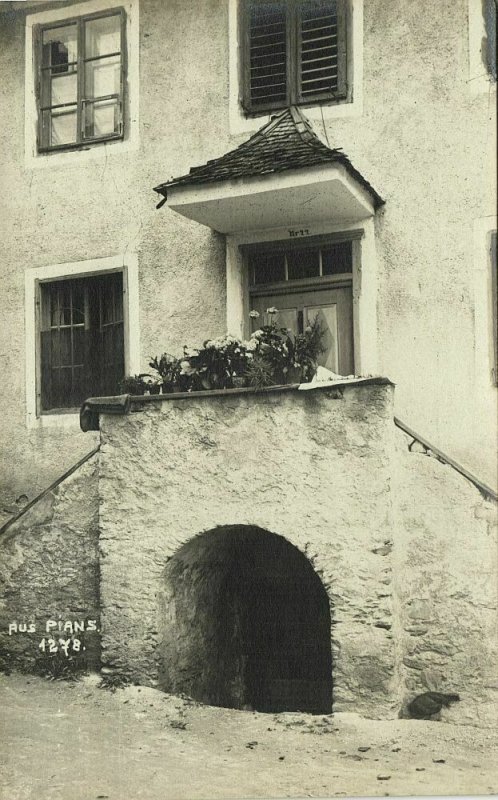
[
  {"x": 135, "y": 384},
  {"x": 168, "y": 369},
  {"x": 272, "y": 356},
  {"x": 113, "y": 681},
  {"x": 60, "y": 667}
]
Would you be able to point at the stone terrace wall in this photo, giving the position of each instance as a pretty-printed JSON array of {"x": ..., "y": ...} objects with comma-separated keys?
[
  {"x": 313, "y": 466},
  {"x": 446, "y": 567},
  {"x": 49, "y": 570}
]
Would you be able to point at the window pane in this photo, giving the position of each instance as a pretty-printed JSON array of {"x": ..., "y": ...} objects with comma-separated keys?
[
  {"x": 103, "y": 36},
  {"x": 79, "y": 346},
  {"x": 327, "y": 317},
  {"x": 337, "y": 258},
  {"x": 63, "y": 89},
  {"x": 66, "y": 358},
  {"x": 101, "y": 118},
  {"x": 303, "y": 264},
  {"x": 78, "y": 303},
  {"x": 59, "y": 126},
  {"x": 268, "y": 52},
  {"x": 59, "y": 47},
  {"x": 102, "y": 77},
  {"x": 267, "y": 267}
]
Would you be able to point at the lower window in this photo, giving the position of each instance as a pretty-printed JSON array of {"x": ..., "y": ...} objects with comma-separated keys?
[{"x": 81, "y": 340}]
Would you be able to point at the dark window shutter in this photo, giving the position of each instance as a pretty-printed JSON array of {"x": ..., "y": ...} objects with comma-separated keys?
[
  {"x": 266, "y": 62},
  {"x": 322, "y": 50},
  {"x": 295, "y": 52}
]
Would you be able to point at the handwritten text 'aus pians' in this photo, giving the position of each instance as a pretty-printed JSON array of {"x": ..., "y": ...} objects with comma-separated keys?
[{"x": 56, "y": 626}]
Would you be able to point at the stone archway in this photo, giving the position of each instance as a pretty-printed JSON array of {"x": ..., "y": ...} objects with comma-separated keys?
[{"x": 245, "y": 622}]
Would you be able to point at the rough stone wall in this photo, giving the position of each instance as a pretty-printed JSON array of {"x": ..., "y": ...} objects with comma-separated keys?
[
  {"x": 424, "y": 141},
  {"x": 317, "y": 473},
  {"x": 445, "y": 563},
  {"x": 49, "y": 570}
]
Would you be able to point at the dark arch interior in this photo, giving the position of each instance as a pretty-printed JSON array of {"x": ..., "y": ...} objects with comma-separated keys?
[{"x": 245, "y": 623}]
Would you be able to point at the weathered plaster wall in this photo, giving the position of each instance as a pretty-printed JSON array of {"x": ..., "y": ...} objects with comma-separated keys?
[
  {"x": 425, "y": 140},
  {"x": 49, "y": 570},
  {"x": 317, "y": 473},
  {"x": 446, "y": 576}
]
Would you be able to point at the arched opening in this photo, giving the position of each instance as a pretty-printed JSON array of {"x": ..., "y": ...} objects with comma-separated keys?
[{"x": 245, "y": 623}]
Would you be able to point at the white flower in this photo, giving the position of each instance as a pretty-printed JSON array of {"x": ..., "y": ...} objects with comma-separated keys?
[
  {"x": 272, "y": 310},
  {"x": 254, "y": 314}
]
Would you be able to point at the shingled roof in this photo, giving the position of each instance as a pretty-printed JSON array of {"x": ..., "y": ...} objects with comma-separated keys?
[{"x": 286, "y": 142}]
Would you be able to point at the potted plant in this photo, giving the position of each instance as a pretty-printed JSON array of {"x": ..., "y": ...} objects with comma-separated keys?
[
  {"x": 134, "y": 384},
  {"x": 168, "y": 369}
]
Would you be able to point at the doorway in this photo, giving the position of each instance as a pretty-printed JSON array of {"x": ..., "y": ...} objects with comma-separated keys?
[
  {"x": 245, "y": 623},
  {"x": 304, "y": 282}
]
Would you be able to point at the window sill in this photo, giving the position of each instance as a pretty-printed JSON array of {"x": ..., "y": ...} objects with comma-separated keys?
[
  {"x": 79, "y": 146},
  {"x": 64, "y": 418}
]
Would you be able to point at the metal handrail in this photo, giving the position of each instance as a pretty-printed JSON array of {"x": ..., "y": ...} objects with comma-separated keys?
[
  {"x": 49, "y": 489},
  {"x": 486, "y": 491}
]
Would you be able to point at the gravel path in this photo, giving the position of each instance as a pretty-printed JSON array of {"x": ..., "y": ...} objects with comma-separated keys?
[{"x": 65, "y": 740}]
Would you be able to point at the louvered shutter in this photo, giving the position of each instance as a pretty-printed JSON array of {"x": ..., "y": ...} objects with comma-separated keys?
[
  {"x": 266, "y": 65},
  {"x": 321, "y": 50},
  {"x": 295, "y": 52}
]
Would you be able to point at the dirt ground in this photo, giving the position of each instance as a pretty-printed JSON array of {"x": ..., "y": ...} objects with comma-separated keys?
[{"x": 62, "y": 740}]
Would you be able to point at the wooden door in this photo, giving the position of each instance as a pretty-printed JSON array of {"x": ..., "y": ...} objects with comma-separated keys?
[{"x": 297, "y": 309}]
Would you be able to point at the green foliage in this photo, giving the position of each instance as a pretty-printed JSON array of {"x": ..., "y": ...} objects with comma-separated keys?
[
  {"x": 135, "y": 384},
  {"x": 272, "y": 356},
  {"x": 113, "y": 681},
  {"x": 259, "y": 372},
  {"x": 168, "y": 369},
  {"x": 59, "y": 667}
]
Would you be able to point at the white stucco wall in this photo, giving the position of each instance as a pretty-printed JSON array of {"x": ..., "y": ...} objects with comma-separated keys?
[{"x": 425, "y": 138}]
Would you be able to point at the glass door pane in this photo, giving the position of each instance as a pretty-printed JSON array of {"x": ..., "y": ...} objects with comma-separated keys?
[{"x": 327, "y": 318}]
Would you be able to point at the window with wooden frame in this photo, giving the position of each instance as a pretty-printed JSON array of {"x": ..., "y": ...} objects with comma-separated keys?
[
  {"x": 293, "y": 53},
  {"x": 81, "y": 340},
  {"x": 81, "y": 65}
]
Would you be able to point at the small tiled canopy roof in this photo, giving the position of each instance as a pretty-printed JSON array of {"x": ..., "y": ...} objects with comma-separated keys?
[{"x": 286, "y": 142}]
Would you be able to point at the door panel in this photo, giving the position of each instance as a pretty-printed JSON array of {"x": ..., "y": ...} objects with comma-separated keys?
[{"x": 297, "y": 309}]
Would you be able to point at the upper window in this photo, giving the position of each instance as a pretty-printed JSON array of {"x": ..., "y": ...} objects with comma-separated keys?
[
  {"x": 81, "y": 338},
  {"x": 294, "y": 52},
  {"x": 284, "y": 263},
  {"x": 80, "y": 80}
]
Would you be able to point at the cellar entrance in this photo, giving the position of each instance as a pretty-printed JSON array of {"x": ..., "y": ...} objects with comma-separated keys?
[{"x": 245, "y": 623}]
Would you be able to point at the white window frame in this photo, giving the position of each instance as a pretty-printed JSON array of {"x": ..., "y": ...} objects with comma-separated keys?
[
  {"x": 353, "y": 107},
  {"x": 79, "y": 269},
  {"x": 87, "y": 151},
  {"x": 364, "y": 280}
]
